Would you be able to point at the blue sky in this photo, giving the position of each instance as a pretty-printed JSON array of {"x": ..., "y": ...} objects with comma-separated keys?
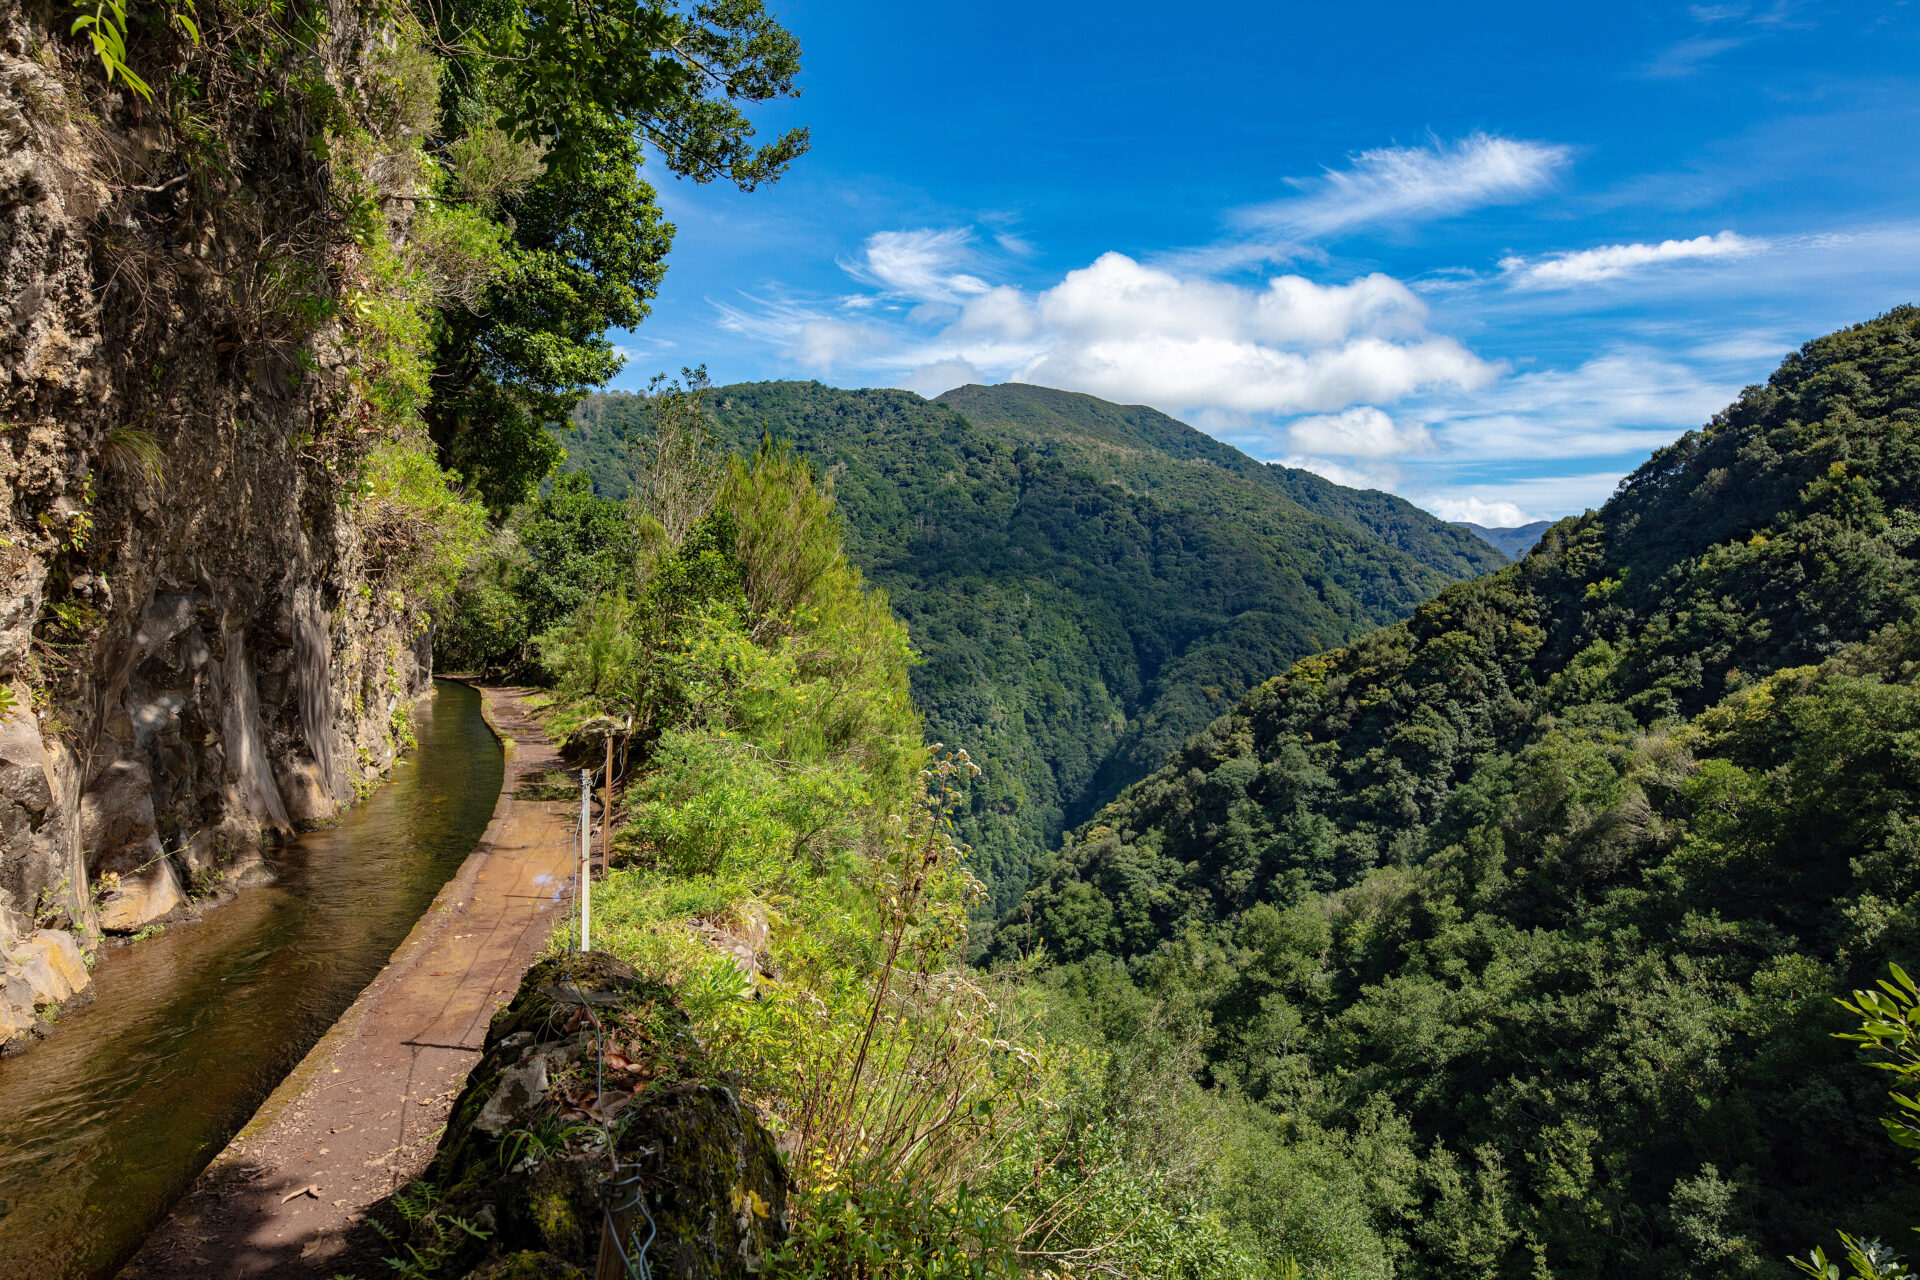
[{"x": 1485, "y": 256}]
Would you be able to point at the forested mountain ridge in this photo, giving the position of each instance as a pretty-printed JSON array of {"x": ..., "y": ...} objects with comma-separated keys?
[
  {"x": 1088, "y": 585},
  {"x": 1563, "y": 873},
  {"x": 1392, "y": 519},
  {"x": 1141, "y": 447}
]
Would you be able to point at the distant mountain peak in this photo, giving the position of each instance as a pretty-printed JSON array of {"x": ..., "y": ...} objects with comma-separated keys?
[{"x": 1514, "y": 541}]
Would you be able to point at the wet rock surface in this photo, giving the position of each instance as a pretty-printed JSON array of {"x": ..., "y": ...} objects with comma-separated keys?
[
  {"x": 587, "y": 1051},
  {"x": 42, "y": 971}
]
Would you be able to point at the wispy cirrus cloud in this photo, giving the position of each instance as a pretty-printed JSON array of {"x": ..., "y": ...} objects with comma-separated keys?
[
  {"x": 1590, "y": 266},
  {"x": 1398, "y": 184},
  {"x": 809, "y": 335},
  {"x": 923, "y": 264},
  {"x": 1382, "y": 186},
  {"x": 1480, "y": 456},
  {"x": 1624, "y": 402},
  {"x": 1725, "y": 27}
]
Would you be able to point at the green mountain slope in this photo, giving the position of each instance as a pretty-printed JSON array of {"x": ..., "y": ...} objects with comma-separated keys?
[
  {"x": 1563, "y": 873},
  {"x": 1145, "y": 449},
  {"x": 1393, "y": 520},
  {"x": 1089, "y": 585}
]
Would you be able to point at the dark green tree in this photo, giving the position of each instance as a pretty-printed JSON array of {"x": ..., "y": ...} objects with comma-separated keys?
[{"x": 545, "y": 108}]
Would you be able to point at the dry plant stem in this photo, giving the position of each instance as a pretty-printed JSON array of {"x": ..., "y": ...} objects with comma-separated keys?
[{"x": 898, "y": 933}]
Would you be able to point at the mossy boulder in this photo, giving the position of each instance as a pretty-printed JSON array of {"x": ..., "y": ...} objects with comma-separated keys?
[
  {"x": 593, "y": 1104},
  {"x": 529, "y": 1264}
]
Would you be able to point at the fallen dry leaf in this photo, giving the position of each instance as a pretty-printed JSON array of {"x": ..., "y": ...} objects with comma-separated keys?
[{"x": 312, "y": 1189}]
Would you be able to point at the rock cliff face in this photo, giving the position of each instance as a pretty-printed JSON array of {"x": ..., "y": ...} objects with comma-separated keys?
[{"x": 197, "y": 654}]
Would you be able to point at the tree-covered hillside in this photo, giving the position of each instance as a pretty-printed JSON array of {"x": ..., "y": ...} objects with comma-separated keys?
[
  {"x": 1086, "y": 590},
  {"x": 1144, "y": 449},
  {"x": 1559, "y": 878},
  {"x": 1394, "y": 521}
]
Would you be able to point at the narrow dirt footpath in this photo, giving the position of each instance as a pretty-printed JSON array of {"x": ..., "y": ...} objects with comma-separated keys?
[{"x": 361, "y": 1114}]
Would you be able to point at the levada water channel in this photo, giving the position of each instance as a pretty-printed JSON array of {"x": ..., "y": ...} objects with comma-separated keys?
[{"x": 105, "y": 1124}]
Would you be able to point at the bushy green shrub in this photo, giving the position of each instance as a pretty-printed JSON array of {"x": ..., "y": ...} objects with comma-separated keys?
[{"x": 420, "y": 533}]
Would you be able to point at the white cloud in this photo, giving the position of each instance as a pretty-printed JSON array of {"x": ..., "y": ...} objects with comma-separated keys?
[
  {"x": 1392, "y": 184},
  {"x": 1350, "y": 379},
  {"x": 1685, "y": 57},
  {"x": 1582, "y": 427},
  {"x": 1296, "y": 310},
  {"x": 1139, "y": 334},
  {"x": 1000, "y": 312},
  {"x": 930, "y": 380},
  {"x": 639, "y": 352},
  {"x": 1506, "y": 503},
  {"x": 1745, "y": 347},
  {"x": 1132, "y": 333},
  {"x": 1360, "y": 432},
  {"x": 1498, "y": 514},
  {"x": 816, "y": 341},
  {"x": 821, "y": 344},
  {"x": 1360, "y": 476},
  {"x": 922, "y": 264},
  {"x": 1589, "y": 266}
]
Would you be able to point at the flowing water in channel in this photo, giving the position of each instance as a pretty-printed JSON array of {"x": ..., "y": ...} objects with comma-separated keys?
[{"x": 107, "y": 1122}]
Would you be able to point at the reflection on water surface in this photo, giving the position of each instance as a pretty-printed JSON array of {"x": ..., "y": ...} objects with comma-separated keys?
[{"x": 105, "y": 1124}]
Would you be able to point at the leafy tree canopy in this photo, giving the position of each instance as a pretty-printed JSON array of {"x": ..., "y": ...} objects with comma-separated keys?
[
  {"x": 671, "y": 73},
  {"x": 544, "y": 109}
]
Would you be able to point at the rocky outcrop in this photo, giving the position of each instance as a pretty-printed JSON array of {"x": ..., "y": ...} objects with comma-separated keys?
[
  {"x": 43, "y": 970},
  {"x": 587, "y": 1052},
  {"x": 196, "y": 655}
]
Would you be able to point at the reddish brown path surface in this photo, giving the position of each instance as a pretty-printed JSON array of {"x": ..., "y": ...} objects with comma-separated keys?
[{"x": 361, "y": 1114}]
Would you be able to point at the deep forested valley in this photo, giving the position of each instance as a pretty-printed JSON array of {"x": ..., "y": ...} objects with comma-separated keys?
[{"x": 1088, "y": 584}]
